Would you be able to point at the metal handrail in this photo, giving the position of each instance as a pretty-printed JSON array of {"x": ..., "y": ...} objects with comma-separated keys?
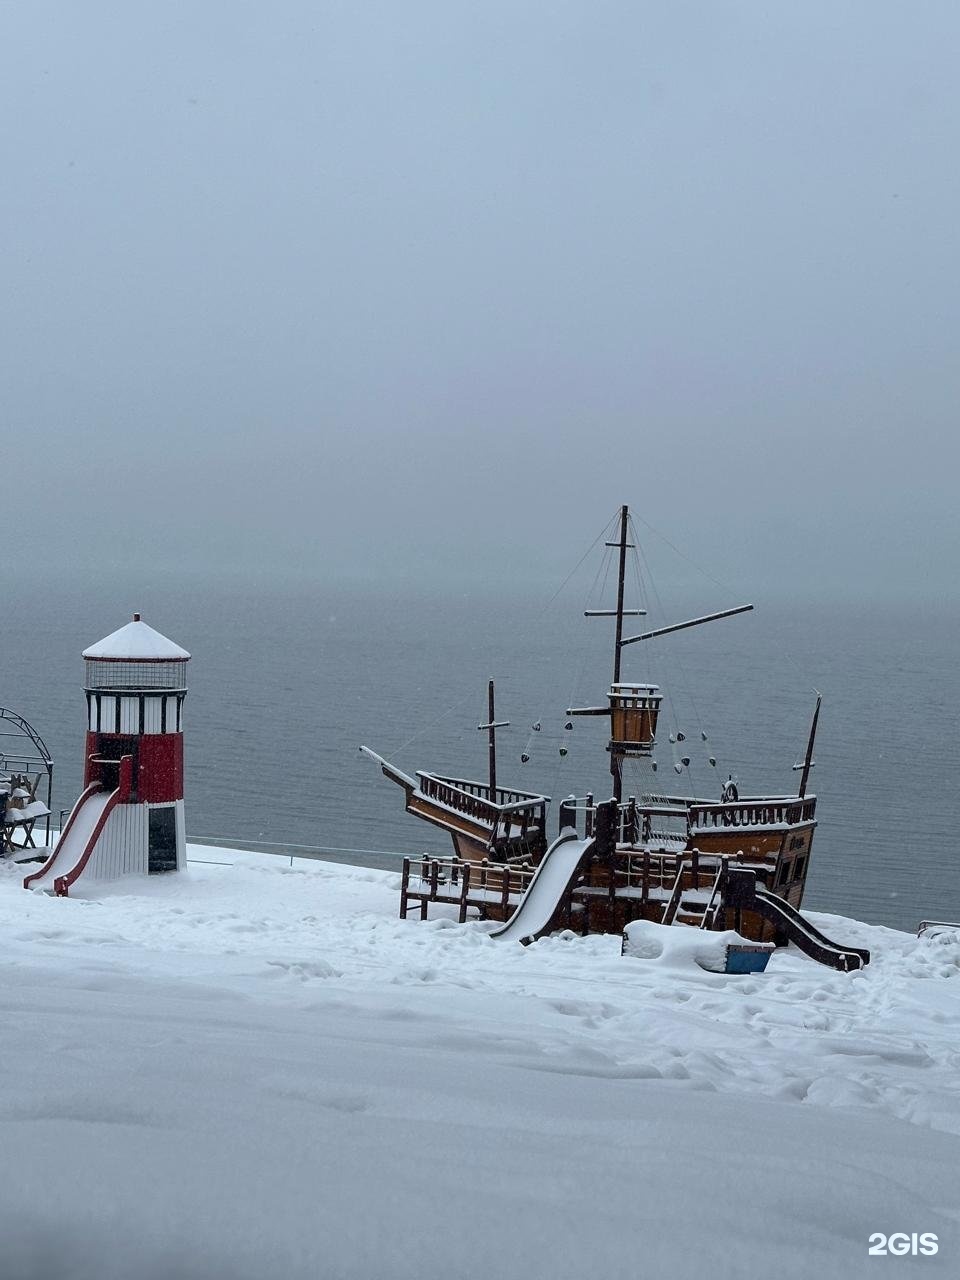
[{"x": 924, "y": 925}]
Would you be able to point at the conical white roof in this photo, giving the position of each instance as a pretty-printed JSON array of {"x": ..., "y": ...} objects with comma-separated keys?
[{"x": 136, "y": 642}]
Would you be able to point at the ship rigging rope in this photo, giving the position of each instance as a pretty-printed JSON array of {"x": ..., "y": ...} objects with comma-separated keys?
[
  {"x": 699, "y": 568},
  {"x": 686, "y": 684},
  {"x": 805, "y": 675},
  {"x": 604, "y": 533},
  {"x": 594, "y": 595},
  {"x": 520, "y": 642},
  {"x": 687, "y": 687},
  {"x": 641, "y": 558},
  {"x": 432, "y": 724}
]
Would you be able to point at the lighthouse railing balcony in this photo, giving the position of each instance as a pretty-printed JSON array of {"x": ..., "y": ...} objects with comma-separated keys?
[{"x": 135, "y": 677}]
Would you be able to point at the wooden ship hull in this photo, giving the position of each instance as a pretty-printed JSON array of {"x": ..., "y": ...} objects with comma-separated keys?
[
  {"x": 740, "y": 863},
  {"x": 667, "y": 878}
]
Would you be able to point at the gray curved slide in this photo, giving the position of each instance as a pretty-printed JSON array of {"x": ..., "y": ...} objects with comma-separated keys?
[
  {"x": 537, "y": 906},
  {"x": 74, "y": 841}
]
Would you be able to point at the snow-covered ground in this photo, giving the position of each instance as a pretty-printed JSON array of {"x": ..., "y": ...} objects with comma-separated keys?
[{"x": 254, "y": 1070}]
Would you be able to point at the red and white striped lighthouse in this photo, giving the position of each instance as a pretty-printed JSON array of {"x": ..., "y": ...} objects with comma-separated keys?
[{"x": 129, "y": 818}]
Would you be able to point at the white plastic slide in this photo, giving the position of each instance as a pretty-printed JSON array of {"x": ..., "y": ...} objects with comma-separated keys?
[
  {"x": 78, "y": 833},
  {"x": 556, "y": 870}
]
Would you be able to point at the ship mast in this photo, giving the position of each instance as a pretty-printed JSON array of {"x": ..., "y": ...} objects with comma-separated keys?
[
  {"x": 492, "y": 725},
  {"x": 623, "y": 546},
  {"x": 634, "y": 709},
  {"x": 808, "y": 760},
  {"x": 616, "y": 761},
  {"x": 618, "y": 643}
]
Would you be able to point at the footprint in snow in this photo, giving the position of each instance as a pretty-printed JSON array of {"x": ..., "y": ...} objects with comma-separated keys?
[
  {"x": 349, "y": 1104},
  {"x": 303, "y": 969}
]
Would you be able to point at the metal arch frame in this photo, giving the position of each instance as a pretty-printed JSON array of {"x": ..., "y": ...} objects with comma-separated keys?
[{"x": 26, "y": 730}]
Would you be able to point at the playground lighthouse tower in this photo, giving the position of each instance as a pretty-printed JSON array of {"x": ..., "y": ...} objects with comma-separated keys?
[{"x": 129, "y": 817}]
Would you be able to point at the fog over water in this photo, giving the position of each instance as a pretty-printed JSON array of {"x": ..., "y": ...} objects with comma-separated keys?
[
  {"x": 333, "y": 333},
  {"x": 366, "y": 292}
]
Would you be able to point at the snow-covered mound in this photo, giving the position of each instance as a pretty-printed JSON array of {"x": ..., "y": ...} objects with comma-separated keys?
[
  {"x": 682, "y": 948},
  {"x": 257, "y": 1070}
]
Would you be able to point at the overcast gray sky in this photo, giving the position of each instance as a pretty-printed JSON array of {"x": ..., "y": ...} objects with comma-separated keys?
[{"x": 364, "y": 289}]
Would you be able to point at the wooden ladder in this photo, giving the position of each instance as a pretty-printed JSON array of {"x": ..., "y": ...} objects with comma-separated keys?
[
  {"x": 715, "y": 901},
  {"x": 697, "y": 915},
  {"x": 673, "y": 902}
]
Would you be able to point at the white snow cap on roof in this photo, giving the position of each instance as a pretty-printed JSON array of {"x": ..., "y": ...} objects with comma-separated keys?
[{"x": 138, "y": 643}]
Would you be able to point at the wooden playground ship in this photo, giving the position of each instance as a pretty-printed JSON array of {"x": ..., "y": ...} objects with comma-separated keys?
[{"x": 740, "y": 862}]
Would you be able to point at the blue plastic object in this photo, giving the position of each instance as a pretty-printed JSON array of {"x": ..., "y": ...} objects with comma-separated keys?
[{"x": 747, "y": 959}]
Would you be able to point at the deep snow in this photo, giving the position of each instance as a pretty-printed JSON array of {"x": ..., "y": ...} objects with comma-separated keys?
[{"x": 253, "y": 1070}]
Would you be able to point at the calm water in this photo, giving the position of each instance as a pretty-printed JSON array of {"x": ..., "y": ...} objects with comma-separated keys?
[{"x": 285, "y": 683}]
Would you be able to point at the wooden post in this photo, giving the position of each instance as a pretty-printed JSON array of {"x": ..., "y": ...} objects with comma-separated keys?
[
  {"x": 605, "y": 827},
  {"x": 721, "y": 914},
  {"x": 464, "y": 891},
  {"x": 568, "y": 813},
  {"x": 404, "y": 885},
  {"x": 584, "y": 915},
  {"x": 620, "y": 580},
  {"x": 492, "y": 725},
  {"x": 492, "y": 743},
  {"x": 808, "y": 760},
  {"x": 616, "y": 763}
]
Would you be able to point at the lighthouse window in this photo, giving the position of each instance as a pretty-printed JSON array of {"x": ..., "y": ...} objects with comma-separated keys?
[
  {"x": 130, "y": 715},
  {"x": 151, "y": 714}
]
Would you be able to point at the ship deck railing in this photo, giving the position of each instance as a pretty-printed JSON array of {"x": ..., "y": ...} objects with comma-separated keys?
[
  {"x": 503, "y": 797},
  {"x": 461, "y": 884},
  {"x": 635, "y": 819},
  {"x": 512, "y": 815},
  {"x": 775, "y": 813},
  {"x": 649, "y": 875}
]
